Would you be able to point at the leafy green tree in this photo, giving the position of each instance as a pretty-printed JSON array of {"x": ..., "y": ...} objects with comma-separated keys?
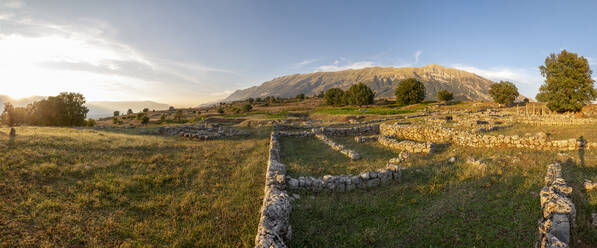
[
  {"x": 116, "y": 113},
  {"x": 409, "y": 91},
  {"x": 445, "y": 96},
  {"x": 300, "y": 96},
  {"x": 162, "y": 118},
  {"x": 140, "y": 116},
  {"x": 8, "y": 114},
  {"x": 359, "y": 94},
  {"x": 335, "y": 97},
  {"x": 91, "y": 122},
  {"x": 178, "y": 115},
  {"x": 170, "y": 108},
  {"x": 251, "y": 100},
  {"x": 568, "y": 84},
  {"x": 145, "y": 110},
  {"x": 503, "y": 92},
  {"x": 145, "y": 120},
  {"x": 246, "y": 108},
  {"x": 220, "y": 110},
  {"x": 258, "y": 99},
  {"x": 129, "y": 112},
  {"x": 321, "y": 94}
]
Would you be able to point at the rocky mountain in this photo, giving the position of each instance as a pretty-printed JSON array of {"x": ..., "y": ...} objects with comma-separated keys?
[
  {"x": 96, "y": 109},
  {"x": 383, "y": 80}
]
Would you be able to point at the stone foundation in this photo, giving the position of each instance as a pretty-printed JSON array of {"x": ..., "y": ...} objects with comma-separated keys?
[
  {"x": 557, "y": 208},
  {"x": 411, "y": 146},
  {"x": 349, "y": 131},
  {"x": 347, "y": 183},
  {"x": 274, "y": 227},
  {"x": 338, "y": 147},
  {"x": 202, "y": 132}
]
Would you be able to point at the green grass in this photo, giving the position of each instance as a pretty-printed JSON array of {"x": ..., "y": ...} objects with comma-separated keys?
[
  {"x": 309, "y": 156},
  {"x": 360, "y": 111},
  {"x": 443, "y": 205},
  {"x": 63, "y": 187}
]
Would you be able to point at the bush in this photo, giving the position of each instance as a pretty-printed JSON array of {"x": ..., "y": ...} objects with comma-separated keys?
[
  {"x": 335, "y": 97},
  {"x": 409, "y": 91},
  {"x": 145, "y": 120},
  {"x": 178, "y": 116},
  {"x": 246, "y": 108},
  {"x": 445, "y": 96},
  {"x": 170, "y": 108},
  {"x": 91, "y": 122},
  {"x": 251, "y": 100},
  {"x": 140, "y": 116},
  {"x": 145, "y": 110},
  {"x": 359, "y": 94},
  {"x": 116, "y": 113},
  {"x": 258, "y": 99},
  {"x": 568, "y": 84},
  {"x": 162, "y": 118},
  {"x": 116, "y": 120},
  {"x": 129, "y": 112},
  {"x": 503, "y": 92},
  {"x": 220, "y": 110},
  {"x": 300, "y": 96}
]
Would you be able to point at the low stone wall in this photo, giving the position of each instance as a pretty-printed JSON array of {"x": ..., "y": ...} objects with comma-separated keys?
[
  {"x": 407, "y": 145},
  {"x": 274, "y": 227},
  {"x": 349, "y": 131},
  {"x": 558, "y": 210},
  {"x": 556, "y": 120},
  {"x": 590, "y": 185},
  {"x": 203, "y": 132},
  {"x": 347, "y": 183},
  {"x": 362, "y": 139},
  {"x": 296, "y": 134},
  {"x": 467, "y": 138},
  {"x": 338, "y": 147}
]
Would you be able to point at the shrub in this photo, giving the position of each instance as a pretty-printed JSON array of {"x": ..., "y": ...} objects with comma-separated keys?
[
  {"x": 300, "y": 96},
  {"x": 170, "y": 108},
  {"x": 116, "y": 120},
  {"x": 116, "y": 113},
  {"x": 140, "y": 116},
  {"x": 445, "y": 96},
  {"x": 91, "y": 122},
  {"x": 220, "y": 110},
  {"x": 359, "y": 94},
  {"x": 162, "y": 118},
  {"x": 251, "y": 100},
  {"x": 145, "y": 120},
  {"x": 246, "y": 108},
  {"x": 129, "y": 112},
  {"x": 503, "y": 92},
  {"x": 178, "y": 115},
  {"x": 258, "y": 99},
  {"x": 409, "y": 91},
  {"x": 335, "y": 97},
  {"x": 568, "y": 83},
  {"x": 145, "y": 110}
]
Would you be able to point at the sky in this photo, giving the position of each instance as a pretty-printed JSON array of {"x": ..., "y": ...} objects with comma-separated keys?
[{"x": 185, "y": 53}]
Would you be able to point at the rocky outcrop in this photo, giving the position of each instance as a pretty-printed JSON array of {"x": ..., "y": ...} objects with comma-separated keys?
[
  {"x": 408, "y": 145},
  {"x": 274, "y": 227},
  {"x": 347, "y": 183},
  {"x": 558, "y": 211}
]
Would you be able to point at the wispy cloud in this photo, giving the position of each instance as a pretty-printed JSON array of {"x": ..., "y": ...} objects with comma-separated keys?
[
  {"x": 345, "y": 64},
  {"x": 41, "y": 57},
  {"x": 528, "y": 80},
  {"x": 417, "y": 55},
  {"x": 305, "y": 63}
]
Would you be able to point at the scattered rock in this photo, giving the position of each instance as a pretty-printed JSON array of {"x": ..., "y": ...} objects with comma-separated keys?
[{"x": 452, "y": 160}]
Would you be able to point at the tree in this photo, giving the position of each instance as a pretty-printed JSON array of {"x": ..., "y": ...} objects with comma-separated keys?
[
  {"x": 258, "y": 99},
  {"x": 335, "y": 97},
  {"x": 162, "y": 118},
  {"x": 300, "y": 96},
  {"x": 116, "y": 113},
  {"x": 251, "y": 100},
  {"x": 321, "y": 94},
  {"x": 246, "y": 108},
  {"x": 445, "y": 96},
  {"x": 409, "y": 91},
  {"x": 91, "y": 122},
  {"x": 140, "y": 116},
  {"x": 8, "y": 114},
  {"x": 568, "y": 83},
  {"x": 116, "y": 120},
  {"x": 145, "y": 120},
  {"x": 220, "y": 110},
  {"x": 145, "y": 110},
  {"x": 503, "y": 92},
  {"x": 170, "y": 108},
  {"x": 129, "y": 112},
  {"x": 359, "y": 94}
]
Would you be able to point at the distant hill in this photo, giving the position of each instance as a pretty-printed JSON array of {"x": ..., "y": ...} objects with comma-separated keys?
[
  {"x": 96, "y": 109},
  {"x": 383, "y": 80}
]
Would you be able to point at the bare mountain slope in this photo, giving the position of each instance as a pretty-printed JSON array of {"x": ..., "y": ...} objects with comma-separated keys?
[{"x": 383, "y": 80}]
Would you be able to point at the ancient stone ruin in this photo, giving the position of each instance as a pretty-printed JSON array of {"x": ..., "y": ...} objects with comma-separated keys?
[
  {"x": 558, "y": 211},
  {"x": 202, "y": 132}
]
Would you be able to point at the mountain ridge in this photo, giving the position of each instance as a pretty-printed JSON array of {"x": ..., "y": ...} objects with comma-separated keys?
[{"x": 383, "y": 81}]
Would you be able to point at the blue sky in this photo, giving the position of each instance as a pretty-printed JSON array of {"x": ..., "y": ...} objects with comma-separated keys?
[{"x": 190, "y": 52}]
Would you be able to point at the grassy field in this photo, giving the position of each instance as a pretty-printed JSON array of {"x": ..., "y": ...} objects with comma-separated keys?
[
  {"x": 63, "y": 187},
  {"x": 443, "y": 205},
  {"x": 309, "y": 156}
]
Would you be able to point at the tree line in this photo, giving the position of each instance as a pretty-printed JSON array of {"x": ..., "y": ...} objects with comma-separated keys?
[{"x": 66, "y": 109}]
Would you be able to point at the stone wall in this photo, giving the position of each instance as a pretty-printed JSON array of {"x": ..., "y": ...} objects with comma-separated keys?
[
  {"x": 349, "y": 131},
  {"x": 347, "y": 183},
  {"x": 558, "y": 211},
  {"x": 467, "y": 138},
  {"x": 407, "y": 145},
  {"x": 338, "y": 147},
  {"x": 202, "y": 132},
  {"x": 274, "y": 227},
  {"x": 554, "y": 120}
]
